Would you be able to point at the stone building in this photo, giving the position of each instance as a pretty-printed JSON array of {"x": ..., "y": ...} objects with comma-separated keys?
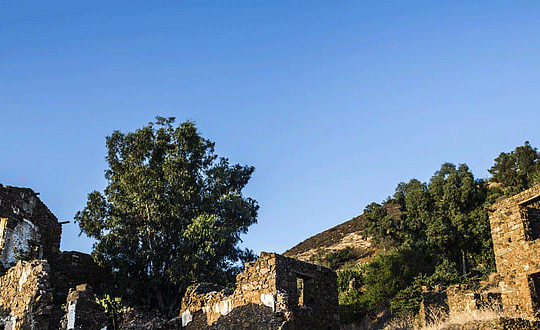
[
  {"x": 28, "y": 229},
  {"x": 274, "y": 292},
  {"x": 515, "y": 227}
]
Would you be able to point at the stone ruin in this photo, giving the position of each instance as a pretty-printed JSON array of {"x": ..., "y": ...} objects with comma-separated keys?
[
  {"x": 515, "y": 227},
  {"x": 36, "y": 275},
  {"x": 28, "y": 229},
  {"x": 83, "y": 312},
  {"x": 442, "y": 303},
  {"x": 26, "y": 301},
  {"x": 274, "y": 292},
  {"x": 515, "y": 230}
]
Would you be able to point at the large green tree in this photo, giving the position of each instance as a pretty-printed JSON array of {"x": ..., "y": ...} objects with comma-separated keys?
[{"x": 172, "y": 212}]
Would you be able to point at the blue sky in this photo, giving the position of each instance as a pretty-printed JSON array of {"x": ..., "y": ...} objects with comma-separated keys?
[{"x": 333, "y": 102}]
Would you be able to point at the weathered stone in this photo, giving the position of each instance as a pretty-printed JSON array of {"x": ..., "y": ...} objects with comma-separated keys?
[
  {"x": 439, "y": 302},
  {"x": 28, "y": 228},
  {"x": 25, "y": 298},
  {"x": 515, "y": 228},
  {"x": 274, "y": 292},
  {"x": 83, "y": 312}
]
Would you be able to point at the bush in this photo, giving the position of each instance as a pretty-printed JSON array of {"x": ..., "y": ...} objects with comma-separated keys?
[
  {"x": 408, "y": 300},
  {"x": 393, "y": 271},
  {"x": 114, "y": 308},
  {"x": 345, "y": 276},
  {"x": 352, "y": 306}
]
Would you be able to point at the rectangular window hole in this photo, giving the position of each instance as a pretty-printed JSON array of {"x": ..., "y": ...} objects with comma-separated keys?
[{"x": 534, "y": 286}]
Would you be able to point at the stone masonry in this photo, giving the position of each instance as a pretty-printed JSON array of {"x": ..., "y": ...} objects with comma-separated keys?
[
  {"x": 83, "y": 312},
  {"x": 25, "y": 298},
  {"x": 274, "y": 292},
  {"x": 515, "y": 227},
  {"x": 28, "y": 229},
  {"x": 32, "y": 292},
  {"x": 440, "y": 302}
]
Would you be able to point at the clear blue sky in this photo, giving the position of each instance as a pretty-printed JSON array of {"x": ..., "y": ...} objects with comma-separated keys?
[{"x": 333, "y": 102}]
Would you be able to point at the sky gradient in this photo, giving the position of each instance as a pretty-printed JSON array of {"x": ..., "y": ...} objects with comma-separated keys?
[{"x": 333, "y": 102}]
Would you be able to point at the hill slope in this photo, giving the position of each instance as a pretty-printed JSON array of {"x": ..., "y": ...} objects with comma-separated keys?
[{"x": 342, "y": 236}]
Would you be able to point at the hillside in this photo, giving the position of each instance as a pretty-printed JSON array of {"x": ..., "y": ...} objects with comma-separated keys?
[{"x": 342, "y": 236}]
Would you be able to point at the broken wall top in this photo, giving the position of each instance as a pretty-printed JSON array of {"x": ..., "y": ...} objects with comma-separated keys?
[
  {"x": 20, "y": 204},
  {"x": 277, "y": 291},
  {"x": 515, "y": 230},
  {"x": 524, "y": 198}
]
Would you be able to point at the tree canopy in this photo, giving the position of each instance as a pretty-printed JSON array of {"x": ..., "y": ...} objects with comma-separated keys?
[
  {"x": 517, "y": 170},
  {"x": 440, "y": 234},
  {"x": 447, "y": 215},
  {"x": 172, "y": 212}
]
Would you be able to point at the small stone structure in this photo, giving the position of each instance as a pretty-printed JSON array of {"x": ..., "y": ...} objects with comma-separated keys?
[
  {"x": 515, "y": 227},
  {"x": 83, "y": 312},
  {"x": 25, "y": 298},
  {"x": 441, "y": 303},
  {"x": 274, "y": 292},
  {"x": 28, "y": 229},
  {"x": 461, "y": 299}
]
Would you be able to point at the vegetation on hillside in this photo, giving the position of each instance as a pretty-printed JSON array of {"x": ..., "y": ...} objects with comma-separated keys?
[{"x": 441, "y": 237}]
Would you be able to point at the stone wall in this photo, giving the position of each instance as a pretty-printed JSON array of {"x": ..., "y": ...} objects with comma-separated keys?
[
  {"x": 25, "y": 297},
  {"x": 434, "y": 305},
  {"x": 442, "y": 303},
  {"x": 461, "y": 299},
  {"x": 27, "y": 227},
  {"x": 274, "y": 292},
  {"x": 69, "y": 269},
  {"x": 83, "y": 312},
  {"x": 515, "y": 225}
]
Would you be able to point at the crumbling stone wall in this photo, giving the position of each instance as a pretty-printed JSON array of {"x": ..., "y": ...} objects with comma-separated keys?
[
  {"x": 83, "y": 312},
  {"x": 25, "y": 297},
  {"x": 441, "y": 303},
  {"x": 274, "y": 292},
  {"x": 434, "y": 305},
  {"x": 27, "y": 227},
  {"x": 461, "y": 299},
  {"x": 515, "y": 228}
]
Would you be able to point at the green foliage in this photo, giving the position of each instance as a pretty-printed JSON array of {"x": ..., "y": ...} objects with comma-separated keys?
[
  {"x": 334, "y": 259},
  {"x": 114, "y": 308},
  {"x": 517, "y": 170},
  {"x": 345, "y": 276},
  {"x": 448, "y": 215},
  {"x": 352, "y": 306},
  {"x": 443, "y": 232},
  {"x": 390, "y": 272},
  {"x": 171, "y": 214},
  {"x": 407, "y": 300},
  {"x": 384, "y": 229},
  {"x": 446, "y": 273}
]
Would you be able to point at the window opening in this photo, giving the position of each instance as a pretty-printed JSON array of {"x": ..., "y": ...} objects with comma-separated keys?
[
  {"x": 534, "y": 285},
  {"x": 532, "y": 222},
  {"x": 300, "y": 287}
]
